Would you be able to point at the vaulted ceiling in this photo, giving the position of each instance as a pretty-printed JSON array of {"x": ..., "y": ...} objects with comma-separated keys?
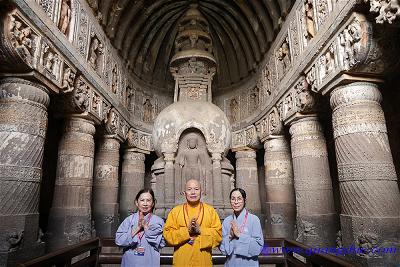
[{"x": 144, "y": 32}]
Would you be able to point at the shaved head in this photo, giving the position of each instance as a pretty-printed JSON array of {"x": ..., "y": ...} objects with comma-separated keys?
[
  {"x": 193, "y": 182},
  {"x": 193, "y": 191}
]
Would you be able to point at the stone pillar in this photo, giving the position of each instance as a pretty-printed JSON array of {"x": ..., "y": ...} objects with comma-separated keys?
[
  {"x": 23, "y": 125},
  {"x": 70, "y": 215},
  {"x": 280, "y": 200},
  {"x": 132, "y": 180},
  {"x": 369, "y": 192},
  {"x": 217, "y": 182},
  {"x": 316, "y": 217},
  {"x": 105, "y": 187},
  {"x": 157, "y": 184},
  {"x": 169, "y": 180},
  {"x": 247, "y": 178}
]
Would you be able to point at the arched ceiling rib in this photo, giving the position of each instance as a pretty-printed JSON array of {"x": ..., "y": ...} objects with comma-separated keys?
[{"x": 144, "y": 32}]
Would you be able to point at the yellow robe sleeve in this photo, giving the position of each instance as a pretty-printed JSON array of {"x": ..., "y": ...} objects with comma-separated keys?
[
  {"x": 211, "y": 233},
  {"x": 175, "y": 234}
]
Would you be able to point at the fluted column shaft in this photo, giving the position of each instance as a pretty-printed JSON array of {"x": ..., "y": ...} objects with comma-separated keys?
[
  {"x": 132, "y": 180},
  {"x": 280, "y": 200},
  {"x": 23, "y": 125},
  {"x": 169, "y": 180},
  {"x": 217, "y": 182},
  {"x": 105, "y": 187},
  {"x": 70, "y": 215},
  {"x": 247, "y": 178},
  {"x": 369, "y": 192},
  {"x": 316, "y": 217}
]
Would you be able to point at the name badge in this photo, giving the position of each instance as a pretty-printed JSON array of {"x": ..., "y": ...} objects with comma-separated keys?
[
  {"x": 139, "y": 251},
  {"x": 191, "y": 241}
]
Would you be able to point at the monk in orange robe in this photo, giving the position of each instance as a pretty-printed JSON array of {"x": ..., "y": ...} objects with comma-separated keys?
[{"x": 193, "y": 228}]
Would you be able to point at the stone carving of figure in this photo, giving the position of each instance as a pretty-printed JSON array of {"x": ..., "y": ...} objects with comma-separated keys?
[
  {"x": 65, "y": 16},
  {"x": 309, "y": 14},
  {"x": 234, "y": 107},
  {"x": 68, "y": 80},
  {"x": 114, "y": 82},
  {"x": 23, "y": 40},
  {"x": 94, "y": 52},
  {"x": 81, "y": 96},
  {"x": 14, "y": 240},
  {"x": 147, "y": 111},
  {"x": 284, "y": 56},
  {"x": 348, "y": 38},
  {"x": 191, "y": 161}
]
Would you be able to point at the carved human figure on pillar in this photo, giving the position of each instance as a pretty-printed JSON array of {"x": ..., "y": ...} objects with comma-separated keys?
[
  {"x": 234, "y": 108},
  {"x": 95, "y": 50},
  {"x": 309, "y": 16},
  {"x": 147, "y": 111},
  {"x": 190, "y": 162},
  {"x": 65, "y": 16}
]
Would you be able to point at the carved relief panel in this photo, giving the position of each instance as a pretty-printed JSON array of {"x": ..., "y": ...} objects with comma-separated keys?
[
  {"x": 50, "y": 62},
  {"x": 95, "y": 53},
  {"x": 283, "y": 57},
  {"x": 82, "y": 39},
  {"x": 25, "y": 40}
]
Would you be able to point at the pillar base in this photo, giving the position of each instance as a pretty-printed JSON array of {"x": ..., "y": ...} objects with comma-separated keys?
[
  {"x": 68, "y": 226},
  {"x": 318, "y": 230},
  {"x": 282, "y": 218},
  {"x": 368, "y": 232},
  {"x": 15, "y": 250}
]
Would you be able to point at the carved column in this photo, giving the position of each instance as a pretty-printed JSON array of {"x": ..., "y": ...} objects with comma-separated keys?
[
  {"x": 227, "y": 174},
  {"x": 23, "y": 125},
  {"x": 105, "y": 187},
  {"x": 316, "y": 217},
  {"x": 70, "y": 215},
  {"x": 217, "y": 182},
  {"x": 247, "y": 178},
  {"x": 132, "y": 180},
  {"x": 280, "y": 200},
  {"x": 158, "y": 186},
  {"x": 169, "y": 180},
  {"x": 369, "y": 191}
]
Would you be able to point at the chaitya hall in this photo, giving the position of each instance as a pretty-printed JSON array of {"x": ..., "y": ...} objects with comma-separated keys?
[{"x": 294, "y": 101}]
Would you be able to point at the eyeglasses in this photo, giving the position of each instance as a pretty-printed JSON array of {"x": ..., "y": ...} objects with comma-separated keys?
[{"x": 239, "y": 199}]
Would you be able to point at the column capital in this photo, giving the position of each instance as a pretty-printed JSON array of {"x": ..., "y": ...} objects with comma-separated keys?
[
  {"x": 305, "y": 124},
  {"x": 246, "y": 153},
  {"x": 134, "y": 154},
  {"x": 356, "y": 91},
  {"x": 21, "y": 89},
  {"x": 75, "y": 123}
]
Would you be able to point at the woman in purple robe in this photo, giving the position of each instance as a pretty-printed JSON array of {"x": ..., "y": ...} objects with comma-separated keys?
[
  {"x": 242, "y": 236},
  {"x": 140, "y": 234}
]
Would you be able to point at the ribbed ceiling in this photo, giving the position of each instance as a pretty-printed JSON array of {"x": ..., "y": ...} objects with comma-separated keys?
[{"x": 144, "y": 32}]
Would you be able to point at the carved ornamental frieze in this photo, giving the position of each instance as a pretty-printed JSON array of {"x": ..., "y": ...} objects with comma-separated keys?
[{"x": 25, "y": 47}]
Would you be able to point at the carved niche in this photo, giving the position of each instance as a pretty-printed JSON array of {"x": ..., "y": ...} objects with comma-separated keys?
[
  {"x": 193, "y": 161},
  {"x": 283, "y": 57},
  {"x": 65, "y": 17},
  {"x": 95, "y": 52}
]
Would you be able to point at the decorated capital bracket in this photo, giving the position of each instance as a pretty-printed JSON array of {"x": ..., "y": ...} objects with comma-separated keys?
[
  {"x": 352, "y": 51},
  {"x": 25, "y": 49},
  {"x": 245, "y": 138},
  {"x": 139, "y": 140},
  {"x": 387, "y": 11}
]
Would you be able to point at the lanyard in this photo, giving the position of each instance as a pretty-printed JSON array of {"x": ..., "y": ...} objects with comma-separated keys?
[
  {"x": 186, "y": 213},
  {"x": 140, "y": 234},
  {"x": 244, "y": 221}
]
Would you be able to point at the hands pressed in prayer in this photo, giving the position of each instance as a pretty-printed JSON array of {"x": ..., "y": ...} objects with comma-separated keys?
[
  {"x": 235, "y": 232},
  {"x": 194, "y": 227},
  {"x": 142, "y": 225}
]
